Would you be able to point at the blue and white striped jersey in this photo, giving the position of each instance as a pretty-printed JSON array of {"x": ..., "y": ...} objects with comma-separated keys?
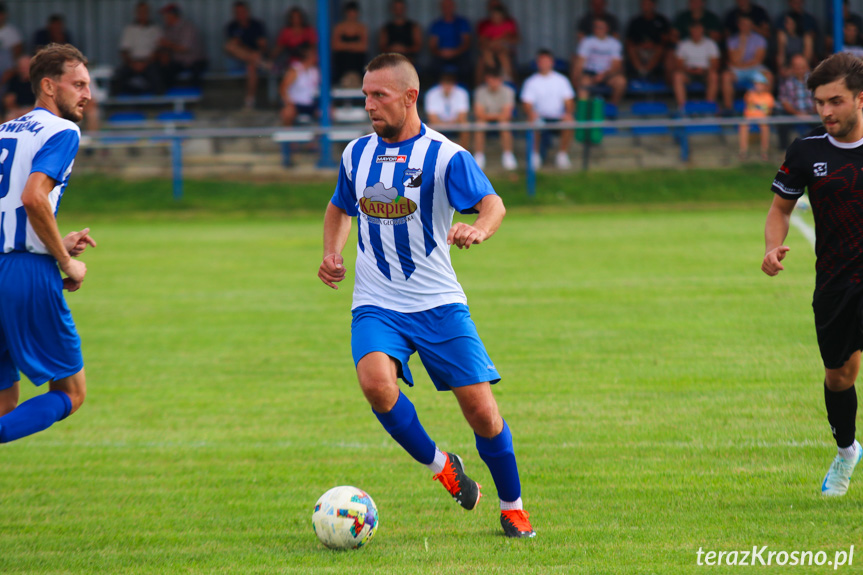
[
  {"x": 404, "y": 196},
  {"x": 38, "y": 141}
]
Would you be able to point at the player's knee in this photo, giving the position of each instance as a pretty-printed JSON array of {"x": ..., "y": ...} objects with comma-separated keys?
[
  {"x": 381, "y": 393},
  {"x": 484, "y": 419},
  {"x": 838, "y": 381}
]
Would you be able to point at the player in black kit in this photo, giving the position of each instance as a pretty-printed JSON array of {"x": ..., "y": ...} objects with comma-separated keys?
[{"x": 829, "y": 162}]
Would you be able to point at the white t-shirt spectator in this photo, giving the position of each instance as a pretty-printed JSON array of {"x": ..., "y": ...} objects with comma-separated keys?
[
  {"x": 140, "y": 41},
  {"x": 697, "y": 55},
  {"x": 599, "y": 54},
  {"x": 547, "y": 94},
  {"x": 447, "y": 107}
]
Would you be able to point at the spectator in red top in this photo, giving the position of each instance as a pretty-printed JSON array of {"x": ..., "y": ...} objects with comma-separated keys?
[
  {"x": 497, "y": 36},
  {"x": 294, "y": 37}
]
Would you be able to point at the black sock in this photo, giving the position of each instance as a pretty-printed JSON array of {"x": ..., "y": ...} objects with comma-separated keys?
[{"x": 841, "y": 413}]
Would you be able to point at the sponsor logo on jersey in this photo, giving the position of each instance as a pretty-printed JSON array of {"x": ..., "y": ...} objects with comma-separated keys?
[
  {"x": 819, "y": 169},
  {"x": 392, "y": 159},
  {"x": 413, "y": 178},
  {"x": 386, "y": 206}
]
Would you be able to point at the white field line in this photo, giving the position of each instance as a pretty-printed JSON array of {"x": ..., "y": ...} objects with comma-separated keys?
[{"x": 804, "y": 228}]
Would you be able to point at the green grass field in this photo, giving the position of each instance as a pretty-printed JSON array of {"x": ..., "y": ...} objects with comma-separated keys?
[{"x": 663, "y": 393}]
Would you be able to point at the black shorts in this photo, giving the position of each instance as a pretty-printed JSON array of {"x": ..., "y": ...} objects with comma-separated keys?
[{"x": 839, "y": 324}]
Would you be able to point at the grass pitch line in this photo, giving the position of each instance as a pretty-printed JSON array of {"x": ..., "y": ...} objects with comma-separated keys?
[{"x": 805, "y": 229}]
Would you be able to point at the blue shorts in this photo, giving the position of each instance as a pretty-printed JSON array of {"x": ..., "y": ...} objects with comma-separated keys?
[
  {"x": 37, "y": 334},
  {"x": 445, "y": 338}
]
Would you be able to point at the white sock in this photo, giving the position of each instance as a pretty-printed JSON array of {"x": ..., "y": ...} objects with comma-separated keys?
[
  {"x": 849, "y": 453},
  {"x": 510, "y": 505},
  {"x": 437, "y": 465}
]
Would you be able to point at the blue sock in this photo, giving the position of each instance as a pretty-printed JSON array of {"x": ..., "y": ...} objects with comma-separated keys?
[
  {"x": 402, "y": 423},
  {"x": 499, "y": 455},
  {"x": 34, "y": 415}
]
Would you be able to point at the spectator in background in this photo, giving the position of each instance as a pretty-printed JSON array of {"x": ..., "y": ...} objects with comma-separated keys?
[
  {"x": 746, "y": 52},
  {"x": 18, "y": 98},
  {"x": 548, "y": 97},
  {"x": 853, "y": 40},
  {"x": 756, "y": 14},
  {"x": 758, "y": 104},
  {"x": 795, "y": 98},
  {"x": 807, "y": 24},
  {"x": 790, "y": 40},
  {"x": 448, "y": 104},
  {"x": 697, "y": 13},
  {"x": 138, "y": 73},
  {"x": 697, "y": 61},
  {"x": 597, "y": 11},
  {"x": 11, "y": 42},
  {"x": 180, "y": 49},
  {"x": 494, "y": 102},
  {"x": 301, "y": 87},
  {"x": 497, "y": 37},
  {"x": 294, "y": 37},
  {"x": 400, "y": 35},
  {"x": 449, "y": 43},
  {"x": 247, "y": 42},
  {"x": 599, "y": 62},
  {"x": 847, "y": 16},
  {"x": 647, "y": 39},
  {"x": 350, "y": 42},
  {"x": 54, "y": 32}
]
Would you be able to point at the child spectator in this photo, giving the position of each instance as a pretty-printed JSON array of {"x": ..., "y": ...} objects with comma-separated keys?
[
  {"x": 758, "y": 105},
  {"x": 350, "y": 42}
]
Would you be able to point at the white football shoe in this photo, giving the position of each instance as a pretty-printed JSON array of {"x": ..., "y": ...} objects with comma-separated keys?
[{"x": 839, "y": 475}]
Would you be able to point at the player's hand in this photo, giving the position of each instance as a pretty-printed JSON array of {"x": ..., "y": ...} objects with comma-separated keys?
[
  {"x": 332, "y": 270},
  {"x": 76, "y": 242},
  {"x": 771, "y": 264},
  {"x": 463, "y": 235},
  {"x": 75, "y": 271}
]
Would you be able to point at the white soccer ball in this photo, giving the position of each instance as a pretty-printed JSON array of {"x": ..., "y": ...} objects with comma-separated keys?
[{"x": 345, "y": 518}]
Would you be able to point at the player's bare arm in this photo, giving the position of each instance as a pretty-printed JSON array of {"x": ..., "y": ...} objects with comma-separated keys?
[
  {"x": 491, "y": 212},
  {"x": 337, "y": 227},
  {"x": 775, "y": 232},
  {"x": 41, "y": 216}
]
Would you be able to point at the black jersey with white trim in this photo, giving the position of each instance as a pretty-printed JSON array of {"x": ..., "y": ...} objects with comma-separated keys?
[{"x": 831, "y": 170}]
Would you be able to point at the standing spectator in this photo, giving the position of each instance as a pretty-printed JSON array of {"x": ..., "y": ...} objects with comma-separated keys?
[
  {"x": 301, "y": 87},
  {"x": 18, "y": 98},
  {"x": 138, "y": 73},
  {"x": 791, "y": 40},
  {"x": 497, "y": 37},
  {"x": 494, "y": 102},
  {"x": 548, "y": 97},
  {"x": 180, "y": 49},
  {"x": 247, "y": 42},
  {"x": 597, "y": 11},
  {"x": 795, "y": 98},
  {"x": 758, "y": 105},
  {"x": 448, "y": 104},
  {"x": 294, "y": 37},
  {"x": 599, "y": 62},
  {"x": 350, "y": 42},
  {"x": 647, "y": 39},
  {"x": 697, "y": 13},
  {"x": 11, "y": 42},
  {"x": 400, "y": 35},
  {"x": 698, "y": 61},
  {"x": 746, "y": 52},
  {"x": 54, "y": 32},
  {"x": 756, "y": 14},
  {"x": 449, "y": 43}
]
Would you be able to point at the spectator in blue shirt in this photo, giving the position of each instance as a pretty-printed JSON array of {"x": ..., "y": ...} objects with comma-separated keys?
[
  {"x": 247, "y": 42},
  {"x": 450, "y": 43}
]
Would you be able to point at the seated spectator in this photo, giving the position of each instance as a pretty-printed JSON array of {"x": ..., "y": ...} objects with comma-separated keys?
[
  {"x": 847, "y": 16},
  {"x": 11, "y": 42},
  {"x": 853, "y": 39},
  {"x": 795, "y": 98},
  {"x": 349, "y": 43},
  {"x": 494, "y": 102},
  {"x": 247, "y": 42},
  {"x": 758, "y": 105},
  {"x": 548, "y": 97},
  {"x": 698, "y": 61},
  {"x": 54, "y": 32},
  {"x": 599, "y": 62},
  {"x": 597, "y": 11},
  {"x": 301, "y": 87},
  {"x": 746, "y": 52},
  {"x": 400, "y": 35},
  {"x": 449, "y": 43},
  {"x": 294, "y": 37},
  {"x": 791, "y": 40},
  {"x": 448, "y": 104},
  {"x": 647, "y": 39},
  {"x": 497, "y": 37},
  {"x": 807, "y": 24},
  {"x": 18, "y": 98},
  {"x": 697, "y": 13},
  {"x": 138, "y": 73},
  {"x": 180, "y": 49},
  {"x": 756, "y": 14}
]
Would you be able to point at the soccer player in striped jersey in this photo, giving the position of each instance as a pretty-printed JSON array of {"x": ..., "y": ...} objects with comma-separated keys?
[
  {"x": 403, "y": 184},
  {"x": 37, "y": 334},
  {"x": 828, "y": 161}
]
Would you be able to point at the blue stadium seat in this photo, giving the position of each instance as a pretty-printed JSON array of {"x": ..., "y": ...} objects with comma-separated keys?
[
  {"x": 131, "y": 119},
  {"x": 646, "y": 110},
  {"x": 647, "y": 88},
  {"x": 611, "y": 113},
  {"x": 185, "y": 116}
]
